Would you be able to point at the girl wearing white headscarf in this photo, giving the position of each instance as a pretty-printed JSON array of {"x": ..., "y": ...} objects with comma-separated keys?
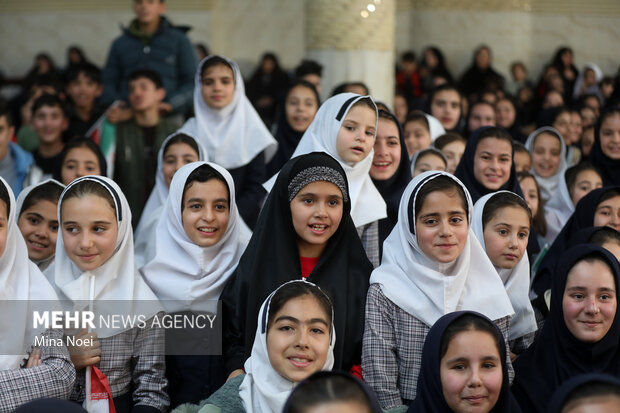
[
  {"x": 411, "y": 289},
  {"x": 144, "y": 238},
  {"x": 188, "y": 277},
  {"x": 270, "y": 374},
  {"x": 367, "y": 204},
  {"x": 548, "y": 185},
  {"x": 232, "y": 132},
  {"x": 516, "y": 279},
  {"x": 131, "y": 357},
  {"x": 22, "y": 290}
]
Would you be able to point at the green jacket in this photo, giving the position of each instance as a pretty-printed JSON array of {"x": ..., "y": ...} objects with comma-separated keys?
[
  {"x": 225, "y": 400},
  {"x": 129, "y": 163}
]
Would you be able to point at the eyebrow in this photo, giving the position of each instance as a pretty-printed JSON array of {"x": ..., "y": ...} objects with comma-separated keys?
[
  {"x": 313, "y": 194},
  {"x": 436, "y": 214},
  {"x": 296, "y": 321},
  {"x": 35, "y": 214},
  {"x": 580, "y": 288},
  {"x": 194, "y": 200},
  {"x": 221, "y": 200},
  {"x": 465, "y": 359}
]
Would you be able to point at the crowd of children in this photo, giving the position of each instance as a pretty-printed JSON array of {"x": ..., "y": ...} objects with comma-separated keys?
[{"x": 454, "y": 250}]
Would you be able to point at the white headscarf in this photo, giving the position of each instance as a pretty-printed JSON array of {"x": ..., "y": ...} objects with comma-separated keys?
[
  {"x": 435, "y": 127},
  {"x": 516, "y": 280},
  {"x": 427, "y": 289},
  {"x": 190, "y": 276},
  {"x": 144, "y": 237},
  {"x": 367, "y": 204},
  {"x": 233, "y": 135},
  {"x": 548, "y": 186},
  {"x": 117, "y": 279},
  {"x": 46, "y": 263},
  {"x": 20, "y": 281},
  {"x": 557, "y": 210},
  {"x": 263, "y": 390}
]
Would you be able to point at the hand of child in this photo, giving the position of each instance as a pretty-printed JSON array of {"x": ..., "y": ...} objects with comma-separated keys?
[
  {"x": 119, "y": 113},
  {"x": 35, "y": 358},
  {"x": 235, "y": 373},
  {"x": 165, "y": 108},
  {"x": 85, "y": 355}
]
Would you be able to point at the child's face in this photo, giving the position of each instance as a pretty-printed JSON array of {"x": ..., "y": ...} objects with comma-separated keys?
[
  {"x": 471, "y": 372},
  {"x": 594, "y": 404},
  {"x": 316, "y": 212},
  {"x": 553, "y": 99},
  {"x": 83, "y": 91},
  {"x": 585, "y": 182},
  {"x": 417, "y": 137},
  {"x": 177, "y": 155},
  {"x": 588, "y": 116},
  {"x": 298, "y": 338},
  {"x": 300, "y": 106},
  {"x": 218, "y": 86},
  {"x": 481, "y": 115},
  {"x": 607, "y": 214},
  {"x": 148, "y": 11},
  {"x": 589, "y": 78},
  {"x": 6, "y": 133},
  {"x": 505, "y": 114},
  {"x": 89, "y": 231},
  {"x": 523, "y": 161},
  {"x": 546, "y": 154},
  {"x": 506, "y": 235},
  {"x": 575, "y": 127},
  {"x": 613, "y": 247},
  {"x": 610, "y": 136},
  {"x": 446, "y": 107},
  {"x": 79, "y": 162},
  {"x": 587, "y": 141},
  {"x": 344, "y": 406},
  {"x": 39, "y": 227},
  {"x": 49, "y": 123},
  {"x": 441, "y": 226},
  {"x": 314, "y": 79},
  {"x": 387, "y": 151},
  {"x": 356, "y": 136},
  {"x": 492, "y": 162},
  {"x": 453, "y": 152},
  {"x": 518, "y": 72},
  {"x": 589, "y": 301},
  {"x": 4, "y": 226},
  {"x": 562, "y": 125},
  {"x": 428, "y": 162},
  {"x": 530, "y": 193},
  {"x": 400, "y": 108},
  {"x": 205, "y": 212},
  {"x": 144, "y": 95}
]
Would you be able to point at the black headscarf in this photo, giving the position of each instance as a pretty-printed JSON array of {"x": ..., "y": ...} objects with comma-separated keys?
[
  {"x": 326, "y": 375},
  {"x": 272, "y": 258},
  {"x": 562, "y": 395},
  {"x": 430, "y": 398},
  {"x": 285, "y": 135},
  {"x": 557, "y": 355},
  {"x": 608, "y": 168},
  {"x": 583, "y": 217},
  {"x": 465, "y": 171},
  {"x": 391, "y": 189}
]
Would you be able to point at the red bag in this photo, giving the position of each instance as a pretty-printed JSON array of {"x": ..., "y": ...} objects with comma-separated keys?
[{"x": 98, "y": 394}]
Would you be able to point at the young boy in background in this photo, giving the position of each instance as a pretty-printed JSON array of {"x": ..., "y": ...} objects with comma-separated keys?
[
  {"x": 15, "y": 162},
  {"x": 49, "y": 122},
  {"x": 83, "y": 86}
]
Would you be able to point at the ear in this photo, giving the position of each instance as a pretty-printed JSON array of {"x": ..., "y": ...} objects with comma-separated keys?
[
  {"x": 65, "y": 123},
  {"x": 99, "y": 91},
  {"x": 162, "y": 7},
  {"x": 161, "y": 94}
]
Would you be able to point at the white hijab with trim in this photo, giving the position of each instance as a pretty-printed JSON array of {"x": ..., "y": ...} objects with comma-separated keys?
[
  {"x": 20, "y": 280},
  {"x": 558, "y": 210},
  {"x": 367, "y": 204},
  {"x": 548, "y": 186},
  {"x": 435, "y": 127},
  {"x": 234, "y": 135},
  {"x": 45, "y": 264},
  {"x": 144, "y": 236},
  {"x": 116, "y": 280},
  {"x": 263, "y": 389},
  {"x": 516, "y": 280},
  {"x": 184, "y": 275},
  {"x": 427, "y": 289}
]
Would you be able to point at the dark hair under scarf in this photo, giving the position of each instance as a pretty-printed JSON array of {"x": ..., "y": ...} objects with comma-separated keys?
[
  {"x": 272, "y": 258},
  {"x": 430, "y": 398},
  {"x": 285, "y": 135},
  {"x": 608, "y": 168},
  {"x": 392, "y": 189},
  {"x": 583, "y": 217},
  {"x": 574, "y": 386},
  {"x": 84, "y": 143},
  {"x": 557, "y": 355}
]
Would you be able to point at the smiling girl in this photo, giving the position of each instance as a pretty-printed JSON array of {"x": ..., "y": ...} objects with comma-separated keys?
[
  {"x": 295, "y": 337},
  {"x": 96, "y": 241},
  {"x": 432, "y": 265},
  {"x": 606, "y": 150},
  {"x": 304, "y": 231},
  {"x": 464, "y": 367},
  {"x": 548, "y": 159},
  {"x": 38, "y": 220},
  {"x": 582, "y": 331},
  {"x": 233, "y": 134}
]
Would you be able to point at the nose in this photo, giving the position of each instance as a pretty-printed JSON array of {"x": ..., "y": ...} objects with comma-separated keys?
[
  {"x": 592, "y": 306},
  {"x": 208, "y": 214},
  {"x": 321, "y": 209},
  {"x": 81, "y": 171},
  {"x": 615, "y": 221},
  {"x": 445, "y": 229},
  {"x": 475, "y": 380},
  {"x": 302, "y": 338},
  {"x": 179, "y": 165},
  {"x": 85, "y": 240}
]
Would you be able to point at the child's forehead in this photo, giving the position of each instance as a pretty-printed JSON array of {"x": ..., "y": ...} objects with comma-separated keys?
[
  {"x": 219, "y": 69},
  {"x": 51, "y": 109},
  {"x": 142, "y": 81}
]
